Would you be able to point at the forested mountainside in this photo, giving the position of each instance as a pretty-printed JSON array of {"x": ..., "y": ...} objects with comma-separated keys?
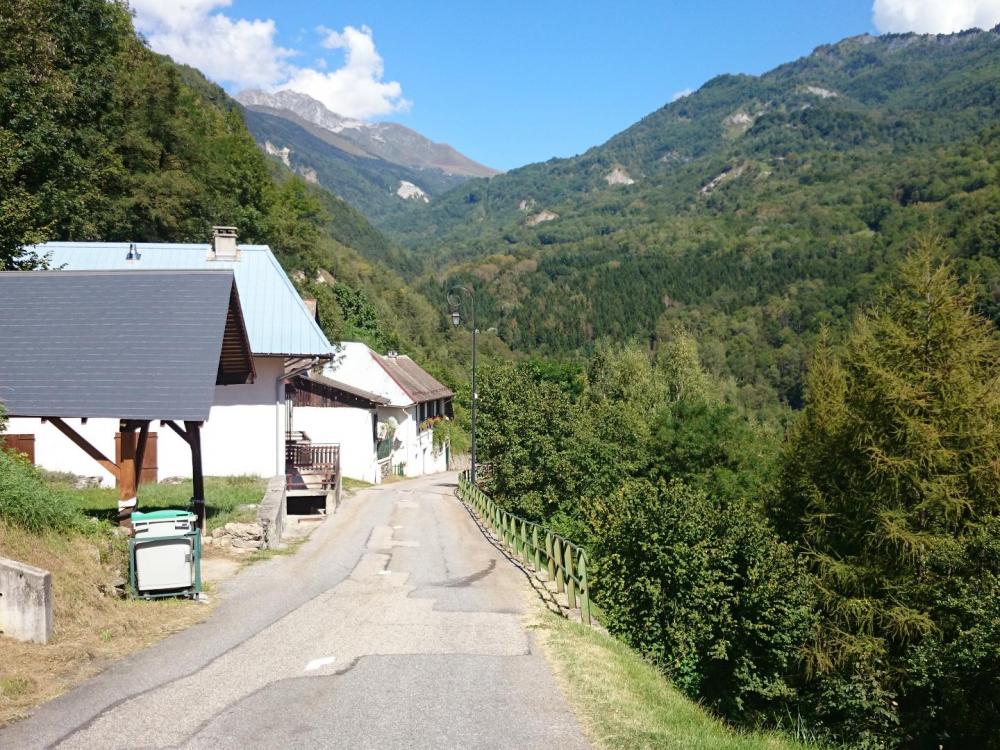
[
  {"x": 753, "y": 211},
  {"x": 101, "y": 139}
]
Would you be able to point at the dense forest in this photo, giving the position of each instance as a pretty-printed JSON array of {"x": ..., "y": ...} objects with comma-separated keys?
[
  {"x": 101, "y": 139},
  {"x": 754, "y": 211},
  {"x": 840, "y": 580}
]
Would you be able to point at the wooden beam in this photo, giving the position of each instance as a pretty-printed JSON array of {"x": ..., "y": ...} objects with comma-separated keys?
[
  {"x": 127, "y": 476},
  {"x": 176, "y": 428},
  {"x": 140, "y": 452},
  {"x": 86, "y": 447},
  {"x": 197, "y": 476}
]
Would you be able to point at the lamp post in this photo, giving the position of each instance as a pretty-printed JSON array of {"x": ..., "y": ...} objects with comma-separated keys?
[{"x": 455, "y": 303}]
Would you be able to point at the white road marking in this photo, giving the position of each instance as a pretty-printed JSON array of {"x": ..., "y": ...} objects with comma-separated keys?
[
  {"x": 385, "y": 572},
  {"x": 317, "y": 663}
]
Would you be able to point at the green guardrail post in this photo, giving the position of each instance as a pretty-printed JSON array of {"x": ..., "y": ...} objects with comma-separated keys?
[
  {"x": 584, "y": 591},
  {"x": 560, "y": 581},
  {"x": 524, "y": 542},
  {"x": 536, "y": 552},
  {"x": 549, "y": 556},
  {"x": 571, "y": 578}
]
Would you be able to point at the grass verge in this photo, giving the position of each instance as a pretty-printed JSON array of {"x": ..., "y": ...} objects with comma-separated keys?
[
  {"x": 624, "y": 703},
  {"x": 92, "y": 626},
  {"x": 226, "y": 498}
]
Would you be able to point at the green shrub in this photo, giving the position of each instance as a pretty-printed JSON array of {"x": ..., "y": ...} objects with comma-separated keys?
[
  {"x": 704, "y": 590},
  {"x": 26, "y": 501},
  {"x": 951, "y": 690}
]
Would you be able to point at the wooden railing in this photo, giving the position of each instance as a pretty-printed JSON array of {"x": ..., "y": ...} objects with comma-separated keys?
[
  {"x": 552, "y": 558},
  {"x": 308, "y": 464},
  {"x": 312, "y": 455}
]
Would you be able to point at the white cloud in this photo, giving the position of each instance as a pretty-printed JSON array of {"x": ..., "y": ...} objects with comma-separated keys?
[
  {"x": 681, "y": 94},
  {"x": 356, "y": 89},
  {"x": 935, "y": 16},
  {"x": 244, "y": 53},
  {"x": 233, "y": 51}
]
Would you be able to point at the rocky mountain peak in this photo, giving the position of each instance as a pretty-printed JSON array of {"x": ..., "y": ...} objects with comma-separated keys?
[{"x": 390, "y": 141}]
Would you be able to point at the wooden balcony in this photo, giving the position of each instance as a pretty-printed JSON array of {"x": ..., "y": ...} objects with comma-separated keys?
[{"x": 312, "y": 467}]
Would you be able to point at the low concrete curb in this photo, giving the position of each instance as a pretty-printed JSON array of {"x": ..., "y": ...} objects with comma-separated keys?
[{"x": 25, "y": 602}]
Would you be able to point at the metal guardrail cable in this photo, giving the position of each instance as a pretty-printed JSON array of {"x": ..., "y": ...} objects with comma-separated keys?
[{"x": 547, "y": 553}]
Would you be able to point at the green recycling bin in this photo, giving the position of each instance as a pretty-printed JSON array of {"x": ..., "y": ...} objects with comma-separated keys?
[{"x": 165, "y": 554}]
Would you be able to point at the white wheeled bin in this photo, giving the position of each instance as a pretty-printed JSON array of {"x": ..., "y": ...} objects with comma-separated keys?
[{"x": 165, "y": 554}]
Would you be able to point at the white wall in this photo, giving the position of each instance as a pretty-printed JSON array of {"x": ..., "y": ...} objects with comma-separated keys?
[
  {"x": 417, "y": 451},
  {"x": 55, "y": 451},
  {"x": 350, "y": 427},
  {"x": 244, "y": 434}
]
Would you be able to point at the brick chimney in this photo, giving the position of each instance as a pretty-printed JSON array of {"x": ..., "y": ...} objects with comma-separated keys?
[{"x": 224, "y": 245}]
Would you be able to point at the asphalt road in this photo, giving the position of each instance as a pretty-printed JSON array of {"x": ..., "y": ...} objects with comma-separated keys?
[{"x": 397, "y": 625}]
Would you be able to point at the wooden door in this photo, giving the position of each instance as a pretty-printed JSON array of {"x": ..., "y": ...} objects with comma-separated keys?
[
  {"x": 150, "y": 473},
  {"x": 19, "y": 444}
]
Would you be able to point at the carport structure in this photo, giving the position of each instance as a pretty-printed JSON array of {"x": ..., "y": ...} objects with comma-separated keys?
[{"x": 136, "y": 346}]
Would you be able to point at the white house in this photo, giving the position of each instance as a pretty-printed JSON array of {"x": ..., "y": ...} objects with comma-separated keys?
[
  {"x": 415, "y": 401},
  {"x": 327, "y": 411},
  {"x": 246, "y": 429}
]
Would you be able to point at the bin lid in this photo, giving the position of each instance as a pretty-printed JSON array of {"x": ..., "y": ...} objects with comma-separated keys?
[{"x": 160, "y": 515}]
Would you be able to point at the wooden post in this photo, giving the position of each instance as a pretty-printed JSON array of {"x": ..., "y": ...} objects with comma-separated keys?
[
  {"x": 128, "y": 476},
  {"x": 584, "y": 591},
  {"x": 140, "y": 452},
  {"x": 197, "y": 477}
]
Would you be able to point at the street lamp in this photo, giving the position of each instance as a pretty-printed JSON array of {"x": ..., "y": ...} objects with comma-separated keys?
[{"x": 455, "y": 304}]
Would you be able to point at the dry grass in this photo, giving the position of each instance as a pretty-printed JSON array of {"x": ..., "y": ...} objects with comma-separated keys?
[
  {"x": 624, "y": 703},
  {"x": 92, "y": 628}
]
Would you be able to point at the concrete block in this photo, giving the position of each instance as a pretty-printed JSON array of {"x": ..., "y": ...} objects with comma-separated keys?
[
  {"x": 25, "y": 602},
  {"x": 271, "y": 512}
]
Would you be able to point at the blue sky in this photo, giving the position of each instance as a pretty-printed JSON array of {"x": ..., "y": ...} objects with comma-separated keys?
[{"x": 513, "y": 82}]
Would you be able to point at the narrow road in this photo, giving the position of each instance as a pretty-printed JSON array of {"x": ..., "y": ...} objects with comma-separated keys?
[{"x": 397, "y": 625}]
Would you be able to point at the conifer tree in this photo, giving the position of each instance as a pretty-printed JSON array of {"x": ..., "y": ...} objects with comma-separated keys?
[{"x": 894, "y": 469}]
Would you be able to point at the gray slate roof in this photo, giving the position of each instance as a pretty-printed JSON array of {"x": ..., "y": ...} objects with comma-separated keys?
[{"x": 119, "y": 344}]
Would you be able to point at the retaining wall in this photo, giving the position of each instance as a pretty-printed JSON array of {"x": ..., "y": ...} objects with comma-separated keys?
[{"x": 25, "y": 602}]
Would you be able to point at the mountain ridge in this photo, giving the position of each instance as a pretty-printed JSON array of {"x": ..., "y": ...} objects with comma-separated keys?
[
  {"x": 385, "y": 140},
  {"x": 752, "y": 211}
]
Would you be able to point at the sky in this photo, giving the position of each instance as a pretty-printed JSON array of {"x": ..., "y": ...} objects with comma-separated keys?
[{"x": 513, "y": 82}]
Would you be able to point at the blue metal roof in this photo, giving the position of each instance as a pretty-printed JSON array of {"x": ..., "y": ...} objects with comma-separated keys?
[{"x": 277, "y": 320}]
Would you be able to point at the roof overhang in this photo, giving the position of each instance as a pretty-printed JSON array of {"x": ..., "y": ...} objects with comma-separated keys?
[
  {"x": 135, "y": 345},
  {"x": 348, "y": 392}
]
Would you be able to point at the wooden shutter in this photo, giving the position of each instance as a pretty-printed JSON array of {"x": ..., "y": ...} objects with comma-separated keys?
[
  {"x": 150, "y": 472},
  {"x": 19, "y": 444}
]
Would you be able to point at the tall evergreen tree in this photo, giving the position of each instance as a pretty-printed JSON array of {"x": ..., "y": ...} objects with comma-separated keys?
[{"x": 893, "y": 471}]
